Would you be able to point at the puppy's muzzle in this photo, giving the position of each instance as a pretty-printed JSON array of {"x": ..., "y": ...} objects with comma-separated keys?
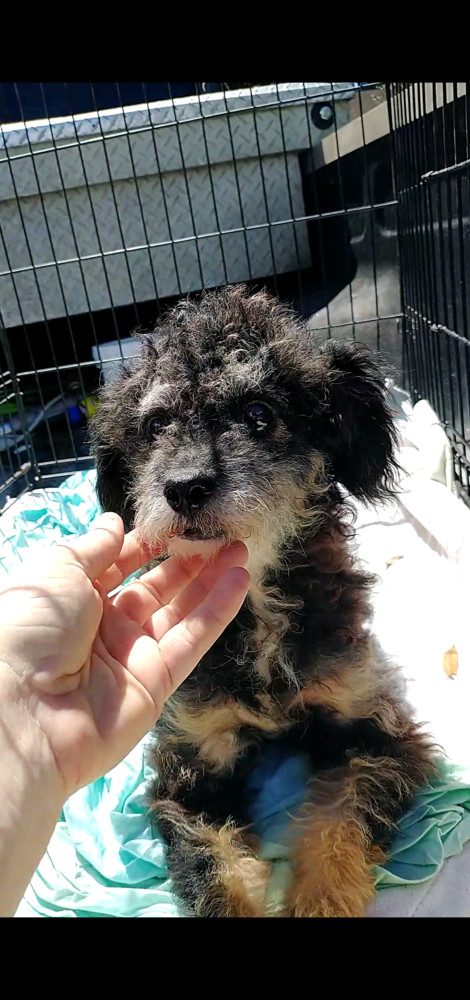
[{"x": 189, "y": 496}]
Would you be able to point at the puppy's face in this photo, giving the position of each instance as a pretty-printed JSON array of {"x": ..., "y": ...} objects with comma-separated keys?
[{"x": 231, "y": 426}]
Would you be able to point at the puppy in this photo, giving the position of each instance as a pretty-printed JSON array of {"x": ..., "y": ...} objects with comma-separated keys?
[{"x": 233, "y": 425}]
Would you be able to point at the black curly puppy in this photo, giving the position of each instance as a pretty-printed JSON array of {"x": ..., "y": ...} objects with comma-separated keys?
[{"x": 234, "y": 425}]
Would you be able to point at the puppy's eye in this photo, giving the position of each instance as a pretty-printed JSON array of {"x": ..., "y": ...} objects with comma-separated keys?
[
  {"x": 258, "y": 416},
  {"x": 155, "y": 425}
]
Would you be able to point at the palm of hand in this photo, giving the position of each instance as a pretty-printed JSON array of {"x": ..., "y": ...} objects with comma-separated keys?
[{"x": 94, "y": 672}]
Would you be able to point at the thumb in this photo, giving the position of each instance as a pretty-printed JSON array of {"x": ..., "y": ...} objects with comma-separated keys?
[{"x": 98, "y": 548}]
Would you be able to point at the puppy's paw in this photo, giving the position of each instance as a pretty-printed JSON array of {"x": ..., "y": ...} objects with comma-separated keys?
[{"x": 324, "y": 906}]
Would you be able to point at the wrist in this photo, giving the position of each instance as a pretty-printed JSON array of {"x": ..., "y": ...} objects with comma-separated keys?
[
  {"x": 22, "y": 738},
  {"x": 31, "y": 793}
]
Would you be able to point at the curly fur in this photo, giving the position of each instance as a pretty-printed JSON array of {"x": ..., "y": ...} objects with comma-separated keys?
[{"x": 297, "y": 665}]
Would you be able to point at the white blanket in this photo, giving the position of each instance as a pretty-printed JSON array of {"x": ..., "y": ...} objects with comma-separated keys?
[{"x": 420, "y": 550}]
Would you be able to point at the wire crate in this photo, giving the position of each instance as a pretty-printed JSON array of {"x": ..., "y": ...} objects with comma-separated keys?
[{"x": 348, "y": 200}]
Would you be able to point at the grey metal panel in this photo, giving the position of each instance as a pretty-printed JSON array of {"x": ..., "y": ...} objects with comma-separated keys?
[{"x": 106, "y": 213}]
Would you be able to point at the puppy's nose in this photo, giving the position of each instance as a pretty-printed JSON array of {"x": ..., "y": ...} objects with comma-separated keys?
[{"x": 189, "y": 495}]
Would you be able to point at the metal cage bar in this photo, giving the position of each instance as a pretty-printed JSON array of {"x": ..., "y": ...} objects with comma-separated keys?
[{"x": 430, "y": 126}]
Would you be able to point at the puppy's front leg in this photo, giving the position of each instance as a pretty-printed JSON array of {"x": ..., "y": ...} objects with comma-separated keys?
[
  {"x": 332, "y": 861},
  {"x": 215, "y": 873},
  {"x": 346, "y": 828}
]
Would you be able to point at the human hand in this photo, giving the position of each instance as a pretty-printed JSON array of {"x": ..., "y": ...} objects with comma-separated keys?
[{"x": 89, "y": 673}]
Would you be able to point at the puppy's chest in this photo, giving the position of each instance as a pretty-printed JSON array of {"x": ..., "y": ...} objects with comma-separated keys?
[
  {"x": 264, "y": 642},
  {"x": 273, "y": 619},
  {"x": 213, "y": 735}
]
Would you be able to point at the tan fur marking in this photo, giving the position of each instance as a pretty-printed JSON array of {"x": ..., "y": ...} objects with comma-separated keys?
[
  {"x": 332, "y": 854},
  {"x": 360, "y": 687},
  {"x": 240, "y": 879},
  {"x": 333, "y": 876},
  {"x": 350, "y": 693},
  {"x": 214, "y": 728}
]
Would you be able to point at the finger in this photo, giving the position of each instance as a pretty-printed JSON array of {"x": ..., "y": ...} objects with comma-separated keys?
[
  {"x": 162, "y": 667},
  {"x": 98, "y": 548},
  {"x": 160, "y": 585},
  {"x": 132, "y": 556},
  {"x": 154, "y": 589},
  {"x": 196, "y": 591},
  {"x": 184, "y": 645}
]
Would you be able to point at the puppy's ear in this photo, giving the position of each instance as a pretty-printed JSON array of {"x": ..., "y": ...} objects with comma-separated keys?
[
  {"x": 112, "y": 484},
  {"x": 112, "y": 473},
  {"x": 357, "y": 423}
]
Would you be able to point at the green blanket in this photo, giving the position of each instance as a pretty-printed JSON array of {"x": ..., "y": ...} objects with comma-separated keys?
[{"x": 105, "y": 860}]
